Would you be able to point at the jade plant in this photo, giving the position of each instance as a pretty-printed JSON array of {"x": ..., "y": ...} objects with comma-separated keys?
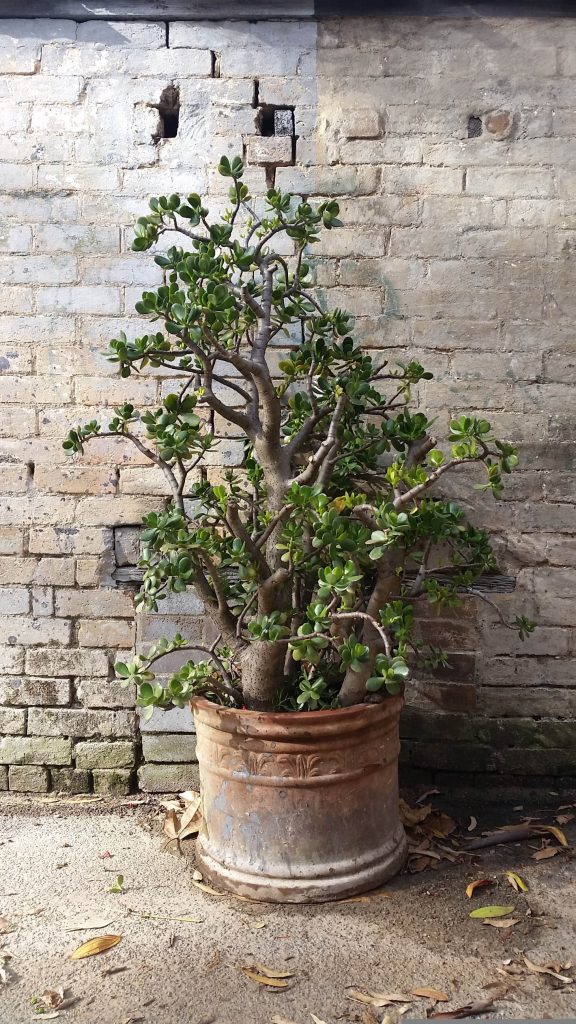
[{"x": 315, "y": 552}]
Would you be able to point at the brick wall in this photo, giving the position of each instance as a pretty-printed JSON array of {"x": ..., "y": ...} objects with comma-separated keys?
[{"x": 450, "y": 146}]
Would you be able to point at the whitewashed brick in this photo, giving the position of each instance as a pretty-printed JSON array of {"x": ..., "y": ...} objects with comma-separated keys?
[
  {"x": 16, "y": 177},
  {"x": 104, "y": 755},
  {"x": 18, "y": 60},
  {"x": 67, "y": 540},
  {"x": 14, "y": 601},
  {"x": 35, "y": 750},
  {"x": 151, "y": 36},
  {"x": 81, "y": 299},
  {"x": 20, "y": 30},
  {"x": 21, "y": 691},
  {"x": 94, "y": 603},
  {"x": 12, "y": 721},
  {"x": 106, "y": 633},
  {"x": 112, "y": 60},
  {"x": 73, "y": 722},
  {"x": 28, "y": 779},
  {"x": 15, "y": 238},
  {"x": 82, "y": 177},
  {"x": 104, "y": 693},
  {"x": 26, "y": 631},
  {"x": 77, "y": 238},
  {"x": 41, "y": 89},
  {"x": 51, "y": 661}
]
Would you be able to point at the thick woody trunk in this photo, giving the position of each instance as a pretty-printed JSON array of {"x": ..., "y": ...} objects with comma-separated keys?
[{"x": 262, "y": 666}]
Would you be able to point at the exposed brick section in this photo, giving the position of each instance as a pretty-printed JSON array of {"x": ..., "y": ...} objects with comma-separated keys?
[
  {"x": 28, "y": 778},
  {"x": 455, "y": 175}
]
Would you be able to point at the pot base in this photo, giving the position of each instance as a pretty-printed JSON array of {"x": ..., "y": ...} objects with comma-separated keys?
[{"x": 390, "y": 860}]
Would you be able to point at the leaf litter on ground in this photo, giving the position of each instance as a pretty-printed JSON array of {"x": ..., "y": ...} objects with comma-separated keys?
[{"x": 183, "y": 817}]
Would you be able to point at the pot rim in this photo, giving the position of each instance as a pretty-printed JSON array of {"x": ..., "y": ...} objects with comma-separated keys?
[{"x": 392, "y": 703}]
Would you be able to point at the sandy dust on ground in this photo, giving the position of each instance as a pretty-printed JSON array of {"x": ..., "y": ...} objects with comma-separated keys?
[{"x": 52, "y": 874}]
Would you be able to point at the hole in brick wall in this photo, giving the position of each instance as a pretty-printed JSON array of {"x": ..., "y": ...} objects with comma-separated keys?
[
  {"x": 169, "y": 113},
  {"x": 256, "y": 93},
  {"x": 275, "y": 120},
  {"x": 474, "y": 127},
  {"x": 215, "y": 67}
]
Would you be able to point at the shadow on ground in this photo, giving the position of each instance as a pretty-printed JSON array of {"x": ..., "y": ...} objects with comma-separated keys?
[{"x": 167, "y": 971}]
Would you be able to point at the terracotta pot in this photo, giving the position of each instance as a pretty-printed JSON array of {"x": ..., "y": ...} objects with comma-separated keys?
[{"x": 299, "y": 807}]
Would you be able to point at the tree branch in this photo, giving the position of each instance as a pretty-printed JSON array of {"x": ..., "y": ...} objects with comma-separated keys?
[
  {"x": 308, "y": 475},
  {"x": 402, "y": 499}
]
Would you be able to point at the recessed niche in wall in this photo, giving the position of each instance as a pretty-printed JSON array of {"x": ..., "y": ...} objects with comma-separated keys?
[{"x": 168, "y": 113}]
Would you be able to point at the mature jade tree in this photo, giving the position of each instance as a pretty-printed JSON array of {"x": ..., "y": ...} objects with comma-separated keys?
[{"x": 314, "y": 555}]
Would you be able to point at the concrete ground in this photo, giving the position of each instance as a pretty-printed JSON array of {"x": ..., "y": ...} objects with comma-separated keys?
[{"x": 169, "y": 971}]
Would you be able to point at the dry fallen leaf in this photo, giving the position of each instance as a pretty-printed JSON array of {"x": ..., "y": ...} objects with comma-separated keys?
[
  {"x": 88, "y": 923},
  {"x": 563, "y": 819},
  {"x": 424, "y": 852},
  {"x": 190, "y": 822},
  {"x": 507, "y": 922},
  {"x": 473, "y": 823},
  {"x": 491, "y": 911},
  {"x": 479, "y": 883},
  {"x": 431, "y": 993},
  {"x": 316, "y": 1019},
  {"x": 548, "y": 851},
  {"x": 377, "y": 999},
  {"x": 516, "y": 882},
  {"x": 277, "y": 1019},
  {"x": 543, "y": 969},
  {"x": 98, "y": 945},
  {"x": 208, "y": 889},
  {"x": 189, "y": 796},
  {"x": 171, "y": 824},
  {"x": 271, "y": 972},
  {"x": 413, "y": 815},
  {"x": 261, "y": 979},
  {"x": 52, "y": 997},
  {"x": 6, "y": 926},
  {"x": 366, "y": 898},
  {"x": 482, "y": 1006},
  {"x": 556, "y": 832},
  {"x": 165, "y": 917},
  {"x": 440, "y": 824}
]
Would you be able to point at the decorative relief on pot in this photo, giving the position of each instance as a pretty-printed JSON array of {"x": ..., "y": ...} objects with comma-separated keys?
[{"x": 272, "y": 765}]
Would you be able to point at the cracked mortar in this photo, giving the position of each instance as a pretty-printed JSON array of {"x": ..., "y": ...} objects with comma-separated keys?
[{"x": 420, "y": 935}]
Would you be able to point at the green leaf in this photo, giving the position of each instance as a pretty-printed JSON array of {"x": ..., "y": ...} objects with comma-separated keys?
[{"x": 491, "y": 912}]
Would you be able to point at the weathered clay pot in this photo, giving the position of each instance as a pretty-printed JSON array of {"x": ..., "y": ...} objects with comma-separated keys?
[{"x": 302, "y": 806}]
